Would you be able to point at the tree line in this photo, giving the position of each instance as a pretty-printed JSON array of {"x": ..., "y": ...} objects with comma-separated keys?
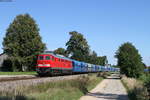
[
  {"x": 78, "y": 49},
  {"x": 22, "y": 43}
]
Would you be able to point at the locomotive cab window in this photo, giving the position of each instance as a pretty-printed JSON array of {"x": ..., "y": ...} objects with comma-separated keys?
[
  {"x": 47, "y": 58},
  {"x": 53, "y": 58},
  {"x": 41, "y": 58}
]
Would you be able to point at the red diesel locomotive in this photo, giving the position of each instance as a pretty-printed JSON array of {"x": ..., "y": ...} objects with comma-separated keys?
[{"x": 50, "y": 64}]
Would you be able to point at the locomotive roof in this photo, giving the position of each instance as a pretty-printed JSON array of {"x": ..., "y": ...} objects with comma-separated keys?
[{"x": 59, "y": 56}]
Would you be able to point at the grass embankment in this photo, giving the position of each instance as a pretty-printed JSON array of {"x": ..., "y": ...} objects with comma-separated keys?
[
  {"x": 18, "y": 73},
  {"x": 61, "y": 90},
  {"x": 138, "y": 89}
]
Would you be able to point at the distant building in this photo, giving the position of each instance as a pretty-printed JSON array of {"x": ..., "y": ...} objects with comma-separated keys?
[
  {"x": 147, "y": 66},
  {"x": 3, "y": 57}
]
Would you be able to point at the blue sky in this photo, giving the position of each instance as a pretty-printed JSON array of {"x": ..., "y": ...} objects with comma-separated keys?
[{"x": 106, "y": 24}]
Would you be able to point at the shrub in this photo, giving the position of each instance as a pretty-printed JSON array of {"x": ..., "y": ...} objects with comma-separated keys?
[
  {"x": 103, "y": 74},
  {"x": 147, "y": 84},
  {"x": 146, "y": 79},
  {"x": 136, "y": 89},
  {"x": 82, "y": 83}
]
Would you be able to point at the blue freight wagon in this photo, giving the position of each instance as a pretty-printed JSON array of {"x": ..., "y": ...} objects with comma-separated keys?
[
  {"x": 76, "y": 66},
  {"x": 84, "y": 67}
]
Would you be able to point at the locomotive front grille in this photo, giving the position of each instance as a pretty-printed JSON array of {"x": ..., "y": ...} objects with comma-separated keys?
[{"x": 43, "y": 70}]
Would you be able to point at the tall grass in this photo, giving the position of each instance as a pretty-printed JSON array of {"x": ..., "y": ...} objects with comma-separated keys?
[
  {"x": 60, "y": 90},
  {"x": 135, "y": 88},
  {"x": 146, "y": 80}
]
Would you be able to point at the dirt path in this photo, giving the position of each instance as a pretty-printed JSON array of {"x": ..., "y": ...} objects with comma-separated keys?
[{"x": 108, "y": 89}]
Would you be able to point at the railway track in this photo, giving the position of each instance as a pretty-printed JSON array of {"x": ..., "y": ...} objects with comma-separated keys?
[
  {"x": 12, "y": 84},
  {"x": 28, "y": 77},
  {"x": 6, "y": 78},
  {"x": 16, "y": 79}
]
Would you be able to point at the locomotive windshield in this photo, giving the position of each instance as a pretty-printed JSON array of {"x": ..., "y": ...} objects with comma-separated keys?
[
  {"x": 47, "y": 58},
  {"x": 41, "y": 58}
]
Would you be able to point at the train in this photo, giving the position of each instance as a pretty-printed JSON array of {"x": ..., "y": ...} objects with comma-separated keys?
[
  {"x": 49, "y": 64},
  {"x": 146, "y": 70}
]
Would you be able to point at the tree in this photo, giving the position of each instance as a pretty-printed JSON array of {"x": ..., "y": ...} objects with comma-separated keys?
[
  {"x": 92, "y": 58},
  {"x": 101, "y": 60},
  {"x": 129, "y": 60},
  {"x": 144, "y": 65},
  {"x": 7, "y": 65},
  {"x": 77, "y": 46},
  {"x": 60, "y": 51},
  {"x": 97, "y": 60},
  {"x": 78, "y": 49},
  {"x": 115, "y": 66},
  {"x": 23, "y": 42}
]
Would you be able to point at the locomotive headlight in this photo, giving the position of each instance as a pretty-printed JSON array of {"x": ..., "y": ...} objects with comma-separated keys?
[
  {"x": 40, "y": 65},
  {"x": 47, "y": 65}
]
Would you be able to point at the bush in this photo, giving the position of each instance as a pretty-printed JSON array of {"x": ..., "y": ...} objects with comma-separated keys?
[
  {"x": 147, "y": 84},
  {"x": 136, "y": 89},
  {"x": 82, "y": 84},
  {"x": 103, "y": 74},
  {"x": 146, "y": 79},
  {"x": 140, "y": 92}
]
